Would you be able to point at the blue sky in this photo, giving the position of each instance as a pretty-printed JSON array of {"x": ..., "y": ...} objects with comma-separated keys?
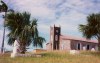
[{"x": 66, "y": 13}]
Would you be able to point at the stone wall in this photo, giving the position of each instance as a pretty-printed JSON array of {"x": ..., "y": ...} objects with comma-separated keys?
[{"x": 65, "y": 45}]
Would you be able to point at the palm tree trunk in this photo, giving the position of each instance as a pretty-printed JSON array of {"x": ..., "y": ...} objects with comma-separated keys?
[
  {"x": 23, "y": 50},
  {"x": 22, "y": 47}
]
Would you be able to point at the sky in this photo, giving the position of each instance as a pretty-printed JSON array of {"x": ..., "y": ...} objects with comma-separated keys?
[{"x": 65, "y": 13}]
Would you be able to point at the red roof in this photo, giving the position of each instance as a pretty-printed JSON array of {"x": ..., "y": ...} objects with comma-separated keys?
[{"x": 77, "y": 38}]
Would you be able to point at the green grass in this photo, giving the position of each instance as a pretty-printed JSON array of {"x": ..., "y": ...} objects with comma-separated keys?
[{"x": 55, "y": 57}]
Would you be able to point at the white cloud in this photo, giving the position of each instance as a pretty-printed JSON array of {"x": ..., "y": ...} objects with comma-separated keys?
[
  {"x": 36, "y": 7},
  {"x": 70, "y": 21}
]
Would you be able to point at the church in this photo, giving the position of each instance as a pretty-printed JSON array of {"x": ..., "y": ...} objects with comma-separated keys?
[{"x": 66, "y": 43}]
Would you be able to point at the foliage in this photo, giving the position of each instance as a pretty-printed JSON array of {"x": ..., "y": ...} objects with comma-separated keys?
[
  {"x": 92, "y": 28},
  {"x": 23, "y": 29}
]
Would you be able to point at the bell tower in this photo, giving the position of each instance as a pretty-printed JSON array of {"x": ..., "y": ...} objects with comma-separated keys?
[{"x": 55, "y": 37}]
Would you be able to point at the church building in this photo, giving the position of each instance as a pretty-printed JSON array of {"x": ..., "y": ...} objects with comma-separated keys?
[{"x": 64, "y": 42}]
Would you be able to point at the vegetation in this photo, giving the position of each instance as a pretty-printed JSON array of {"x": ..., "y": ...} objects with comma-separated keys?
[
  {"x": 23, "y": 29},
  {"x": 92, "y": 28},
  {"x": 55, "y": 57}
]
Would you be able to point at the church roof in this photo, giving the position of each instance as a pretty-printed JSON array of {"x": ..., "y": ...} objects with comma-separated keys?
[{"x": 77, "y": 38}]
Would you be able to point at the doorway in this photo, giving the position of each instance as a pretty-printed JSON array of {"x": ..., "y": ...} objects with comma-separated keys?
[
  {"x": 79, "y": 46},
  {"x": 88, "y": 47}
]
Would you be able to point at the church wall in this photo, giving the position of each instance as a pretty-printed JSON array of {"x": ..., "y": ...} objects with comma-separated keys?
[
  {"x": 83, "y": 45},
  {"x": 65, "y": 45}
]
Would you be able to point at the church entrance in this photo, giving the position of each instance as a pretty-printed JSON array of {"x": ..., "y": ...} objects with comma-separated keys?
[
  {"x": 78, "y": 46},
  {"x": 88, "y": 47}
]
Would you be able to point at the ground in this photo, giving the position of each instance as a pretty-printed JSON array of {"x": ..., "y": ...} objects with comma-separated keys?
[{"x": 55, "y": 57}]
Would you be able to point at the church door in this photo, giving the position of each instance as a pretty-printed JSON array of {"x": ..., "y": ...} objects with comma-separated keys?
[{"x": 78, "y": 46}]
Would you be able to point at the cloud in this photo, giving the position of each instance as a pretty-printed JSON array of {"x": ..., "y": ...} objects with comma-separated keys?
[{"x": 37, "y": 8}]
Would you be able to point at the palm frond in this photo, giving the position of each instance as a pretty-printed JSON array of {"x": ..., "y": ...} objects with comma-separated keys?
[{"x": 92, "y": 28}]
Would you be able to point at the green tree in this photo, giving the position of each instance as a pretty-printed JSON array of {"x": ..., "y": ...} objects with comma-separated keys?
[
  {"x": 92, "y": 28},
  {"x": 20, "y": 26}
]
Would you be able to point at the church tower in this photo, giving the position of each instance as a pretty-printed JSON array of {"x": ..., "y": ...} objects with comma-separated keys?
[{"x": 55, "y": 37}]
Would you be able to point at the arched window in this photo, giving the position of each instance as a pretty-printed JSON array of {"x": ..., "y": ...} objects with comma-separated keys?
[{"x": 56, "y": 37}]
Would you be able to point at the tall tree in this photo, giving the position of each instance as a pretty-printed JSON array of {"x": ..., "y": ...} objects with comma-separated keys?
[
  {"x": 92, "y": 28},
  {"x": 20, "y": 26}
]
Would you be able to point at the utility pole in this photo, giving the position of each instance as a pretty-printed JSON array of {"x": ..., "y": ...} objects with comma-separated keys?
[
  {"x": 2, "y": 49},
  {"x": 3, "y": 8}
]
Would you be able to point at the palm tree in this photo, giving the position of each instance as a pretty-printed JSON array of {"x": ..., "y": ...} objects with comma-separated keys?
[
  {"x": 92, "y": 28},
  {"x": 20, "y": 26}
]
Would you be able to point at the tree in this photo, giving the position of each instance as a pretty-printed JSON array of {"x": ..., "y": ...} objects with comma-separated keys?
[
  {"x": 92, "y": 28},
  {"x": 20, "y": 26},
  {"x": 3, "y": 7}
]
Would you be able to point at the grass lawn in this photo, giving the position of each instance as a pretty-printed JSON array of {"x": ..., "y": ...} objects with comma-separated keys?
[{"x": 55, "y": 57}]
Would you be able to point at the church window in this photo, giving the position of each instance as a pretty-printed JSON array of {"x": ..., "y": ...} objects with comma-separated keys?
[
  {"x": 57, "y": 31},
  {"x": 56, "y": 37}
]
